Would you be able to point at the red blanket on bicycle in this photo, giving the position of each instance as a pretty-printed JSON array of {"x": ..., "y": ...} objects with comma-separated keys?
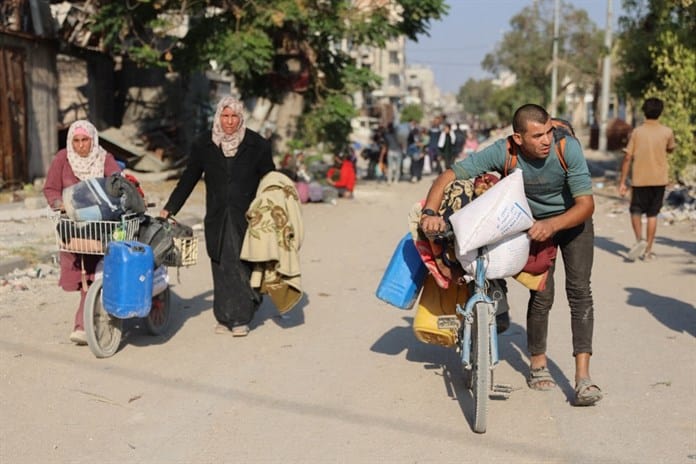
[{"x": 440, "y": 258}]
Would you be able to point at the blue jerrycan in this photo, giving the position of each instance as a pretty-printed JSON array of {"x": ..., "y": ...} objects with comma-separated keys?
[
  {"x": 127, "y": 284},
  {"x": 404, "y": 275}
]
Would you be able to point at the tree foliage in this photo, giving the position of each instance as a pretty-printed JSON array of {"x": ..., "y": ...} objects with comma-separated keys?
[
  {"x": 642, "y": 25},
  {"x": 675, "y": 65},
  {"x": 657, "y": 54},
  {"x": 412, "y": 112},
  {"x": 475, "y": 97},
  {"x": 268, "y": 45},
  {"x": 526, "y": 50}
]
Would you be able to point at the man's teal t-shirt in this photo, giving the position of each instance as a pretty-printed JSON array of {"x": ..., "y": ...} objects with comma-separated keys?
[{"x": 549, "y": 189}]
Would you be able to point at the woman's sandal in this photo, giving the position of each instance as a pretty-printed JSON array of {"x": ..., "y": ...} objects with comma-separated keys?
[
  {"x": 540, "y": 379},
  {"x": 587, "y": 393}
]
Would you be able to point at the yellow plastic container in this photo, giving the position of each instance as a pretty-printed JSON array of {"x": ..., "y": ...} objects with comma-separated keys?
[{"x": 434, "y": 302}]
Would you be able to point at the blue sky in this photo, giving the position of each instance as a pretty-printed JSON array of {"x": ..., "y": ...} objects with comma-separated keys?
[{"x": 459, "y": 42}]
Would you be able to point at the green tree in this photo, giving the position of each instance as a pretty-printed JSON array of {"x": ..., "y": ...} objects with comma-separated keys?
[
  {"x": 675, "y": 66},
  {"x": 269, "y": 46},
  {"x": 507, "y": 99},
  {"x": 475, "y": 97},
  {"x": 412, "y": 112},
  {"x": 526, "y": 50},
  {"x": 642, "y": 26},
  {"x": 657, "y": 57}
]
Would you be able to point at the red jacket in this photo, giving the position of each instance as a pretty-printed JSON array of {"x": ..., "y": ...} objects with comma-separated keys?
[{"x": 346, "y": 176}]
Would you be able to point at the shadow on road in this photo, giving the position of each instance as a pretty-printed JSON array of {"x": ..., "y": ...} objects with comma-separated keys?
[
  {"x": 611, "y": 246},
  {"x": 620, "y": 250},
  {"x": 445, "y": 362},
  {"x": 672, "y": 313},
  {"x": 135, "y": 333},
  {"x": 293, "y": 318},
  {"x": 512, "y": 345},
  {"x": 684, "y": 245}
]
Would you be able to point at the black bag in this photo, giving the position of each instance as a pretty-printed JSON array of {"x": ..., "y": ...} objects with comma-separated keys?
[
  {"x": 131, "y": 200},
  {"x": 158, "y": 233}
]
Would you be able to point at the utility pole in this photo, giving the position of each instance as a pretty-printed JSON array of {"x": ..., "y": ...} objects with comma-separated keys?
[
  {"x": 554, "y": 63},
  {"x": 606, "y": 73}
]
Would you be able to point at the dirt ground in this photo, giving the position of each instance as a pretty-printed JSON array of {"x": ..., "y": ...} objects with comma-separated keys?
[{"x": 342, "y": 378}]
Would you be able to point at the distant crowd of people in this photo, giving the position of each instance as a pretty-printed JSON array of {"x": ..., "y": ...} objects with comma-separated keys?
[{"x": 425, "y": 150}]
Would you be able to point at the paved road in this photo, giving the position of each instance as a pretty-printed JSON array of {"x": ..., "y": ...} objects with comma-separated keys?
[{"x": 343, "y": 379}]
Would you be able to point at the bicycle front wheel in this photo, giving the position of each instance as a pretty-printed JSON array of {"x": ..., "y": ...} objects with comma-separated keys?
[
  {"x": 481, "y": 367},
  {"x": 103, "y": 331}
]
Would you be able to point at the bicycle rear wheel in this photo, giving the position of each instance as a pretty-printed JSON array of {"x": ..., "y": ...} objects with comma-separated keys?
[
  {"x": 103, "y": 331},
  {"x": 480, "y": 369},
  {"x": 157, "y": 321}
]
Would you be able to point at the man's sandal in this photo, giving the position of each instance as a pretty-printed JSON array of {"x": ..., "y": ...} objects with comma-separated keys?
[
  {"x": 540, "y": 379},
  {"x": 587, "y": 393}
]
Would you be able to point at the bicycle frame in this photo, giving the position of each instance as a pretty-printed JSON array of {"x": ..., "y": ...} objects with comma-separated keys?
[{"x": 467, "y": 313}]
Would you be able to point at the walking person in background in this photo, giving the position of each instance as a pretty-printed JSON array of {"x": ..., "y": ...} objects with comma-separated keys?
[
  {"x": 82, "y": 159},
  {"x": 433, "y": 138},
  {"x": 232, "y": 159},
  {"x": 393, "y": 154},
  {"x": 562, "y": 204},
  {"x": 471, "y": 143},
  {"x": 646, "y": 152},
  {"x": 446, "y": 144},
  {"x": 418, "y": 157},
  {"x": 459, "y": 139}
]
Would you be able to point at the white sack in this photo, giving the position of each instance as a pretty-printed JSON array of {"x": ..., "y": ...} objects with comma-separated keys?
[
  {"x": 504, "y": 259},
  {"x": 499, "y": 213}
]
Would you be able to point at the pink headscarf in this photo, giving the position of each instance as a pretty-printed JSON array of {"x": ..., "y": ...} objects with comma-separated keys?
[
  {"x": 92, "y": 165},
  {"x": 229, "y": 143}
]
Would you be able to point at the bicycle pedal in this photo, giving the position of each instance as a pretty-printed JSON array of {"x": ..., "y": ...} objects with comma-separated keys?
[{"x": 502, "y": 388}]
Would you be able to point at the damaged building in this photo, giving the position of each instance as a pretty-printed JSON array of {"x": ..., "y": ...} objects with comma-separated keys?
[{"x": 53, "y": 72}]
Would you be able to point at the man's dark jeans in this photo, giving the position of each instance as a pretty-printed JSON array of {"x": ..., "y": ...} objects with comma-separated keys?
[{"x": 577, "y": 248}]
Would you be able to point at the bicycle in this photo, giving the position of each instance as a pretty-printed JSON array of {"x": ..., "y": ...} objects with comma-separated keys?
[
  {"x": 477, "y": 339},
  {"x": 103, "y": 325}
]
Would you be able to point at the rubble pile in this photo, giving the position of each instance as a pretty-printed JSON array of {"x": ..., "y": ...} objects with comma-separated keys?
[{"x": 680, "y": 205}]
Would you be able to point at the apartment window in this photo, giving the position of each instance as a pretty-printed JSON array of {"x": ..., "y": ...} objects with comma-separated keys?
[
  {"x": 393, "y": 57},
  {"x": 394, "y": 80}
]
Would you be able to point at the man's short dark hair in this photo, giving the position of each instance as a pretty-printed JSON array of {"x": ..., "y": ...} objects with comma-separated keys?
[
  {"x": 652, "y": 108},
  {"x": 526, "y": 113}
]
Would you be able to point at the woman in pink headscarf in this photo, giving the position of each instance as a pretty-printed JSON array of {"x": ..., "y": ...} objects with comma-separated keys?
[
  {"x": 82, "y": 159},
  {"x": 232, "y": 159}
]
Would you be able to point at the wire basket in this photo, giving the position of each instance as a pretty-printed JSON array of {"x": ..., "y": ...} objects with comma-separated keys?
[
  {"x": 184, "y": 253},
  {"x": 91, "y": 237}
]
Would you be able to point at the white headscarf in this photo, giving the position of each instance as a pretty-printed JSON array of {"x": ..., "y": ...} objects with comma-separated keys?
[
  {"x": 229, "y": 143},
  {"x": 89, "y": 166}
]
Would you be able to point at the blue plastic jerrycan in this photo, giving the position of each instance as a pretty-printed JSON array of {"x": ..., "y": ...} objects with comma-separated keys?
[
  {"x": 127, "y": 285},
  {"x": 404, "y": 275}
]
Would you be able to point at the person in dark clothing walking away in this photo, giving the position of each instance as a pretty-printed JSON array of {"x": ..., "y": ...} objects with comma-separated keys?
[
  {"x": 433, "y": 152},
  {"x": 646, "y": 151},
  {"x": 414, "y": 150},
  {"x": 445, "y": 146},
  {"x": 459, "y": 140},
  {"x": 232, "y": 159}
]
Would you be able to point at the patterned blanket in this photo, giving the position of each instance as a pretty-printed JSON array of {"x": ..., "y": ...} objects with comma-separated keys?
[{"x": 273, "y": 240}]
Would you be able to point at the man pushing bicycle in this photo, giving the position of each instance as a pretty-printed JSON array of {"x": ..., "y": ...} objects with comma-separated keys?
[{"x": 558, "y": 188}]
